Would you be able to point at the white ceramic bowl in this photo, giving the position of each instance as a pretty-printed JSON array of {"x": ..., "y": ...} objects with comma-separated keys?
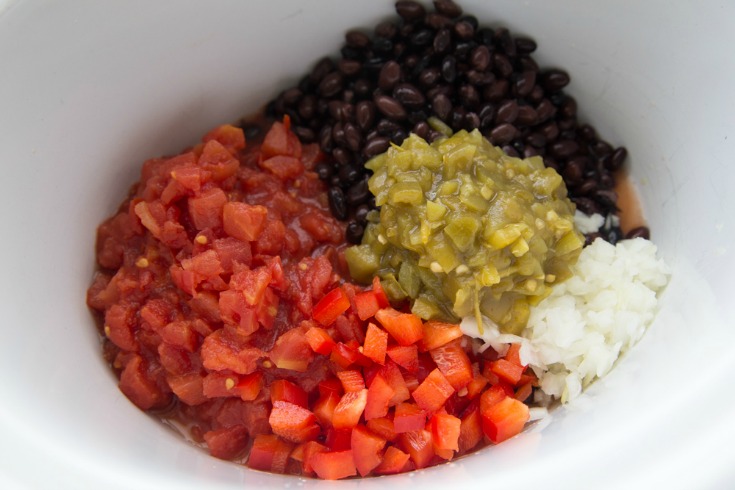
[{"x": 88, "y": 90}]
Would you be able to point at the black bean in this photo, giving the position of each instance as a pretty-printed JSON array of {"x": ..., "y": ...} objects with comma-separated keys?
[
  {"x": 365, "y": 114},
  {"x": 387, "y": 127},
  {"x": 480, "y": 58},
  {"x": 617, "y": 159},
  {"x": 307, "y": 106},
  {"x": 414, "y": 117},
  {"x": 305, "y": 134},
  {"x": 479, "y": 79},
  {"x": 456, "y": 118},
  {"x": 471, "y": 121},
  {"x": 390, "y": 107},
  {"x": 361, "y": 212},
  {"x": 545, "y": 110},
  {"x": 442, "y": 41},
  {"x": 510, "y": 151},
  {"x": 386, "y": 30},
  {"x": 331, "y": 84},
  {"x": 292, "y": 95},
  {"x": 409, "y": 95},
  {"x": 471, "y": 20},
  {"x": 502, "y": 65},
  {"x": 525, "y": 45},
  {"x": 468, "y": 96},
  {"x": 486, "y": 114},
  {"x": 444, "y": 89},
  {"x": 375, "y": 146},
  {"x": 362, "y": 87},
  {"x": 587, "y": 205},
  {"x": 564, "y": 148},
  {"x": 602, "y": 148},
  {"x": 448, "y": 8},
  {"x": 526, "y": 63},
  {"x": 437, "y": 21},
  {"x": 587, "y": 132},
  {"x": 550, "y": 131},
  {"x": 572, "y": 173},
  {"x": 536, "y": 95},
  {"x": 421, "y": 129},
  {"x": 529, "y": 152},
  {"x": 354, "y": 232},
  {"x": 338, "y": 134},
  {"x": 554, "y": 80},
  {"x": 358, "y": 193},
  {"x": 323, "y": 170},
  {"x": 429, "y": 77},
  {"x": 357, "y": 39},
  {"x": 335, "y": 110},
  {"x": 464, "y": 30},
  {"x": 507, "y": 112},
  {"x": 398, "y": 136},
  {"x": 343, "y": 157},
  {"x": 325, "y": 138},
  {"x": 568, "y": 108},
  {"x": 449, "y": 68},
  {"x": 410, "y": 10},
  {"x": 463, "y": 50},
  {"x": 422, "y": 37},
  {"x": 536, "y": 139},
  {"x": 389, "y": 75},
  {"x": 587, "y": 187},
  {"x": 382, "y": 45},
  {"x": 506, "y": 42},
  {"x": 641, "y": 231},
  {"x": 353, "y": 137},
  {"x": 486, "y": 36},
  {"x": 502, "y": 134},
  {"x": 337, "y": 203},
  {"x": 320, "y": 70},
  {"x": 349, "y": 67},
  {"x": 525, "y": 83},
  {"x": 441, "y": 106},
  {"x": 526, "y": 116},
  {"x": 496, "y": 90}
]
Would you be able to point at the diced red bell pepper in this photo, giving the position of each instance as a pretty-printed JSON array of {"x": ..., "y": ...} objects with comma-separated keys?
[
  {"x": 366, "y": 305},
  {"x": 320, "y": 341},
  {"x": 332, "y": 305},
  {"x": 445, "y": 431},
  {"x": 433, "y": 392},
  {"x": 286, "y": 391},
  {"x": 293, "y": 423},
  {"x": 383, "y": 301},
  {"x": 470, "y": 430},
  {"x": 454, "y": 364},
  {"x": 406, "y": 356},
  {"x": 304, "y": 452},
  {"x": 227, "y": 443},
  {"x": 343, "y": 355},
  {"x": 376, "y": 343},
  {"x": 392, "y": 375},
  {"x": 438, "y": 333},
  {"x": 333, "y": 465},
  {"x": 379, "y": 396},
  {"x": 504, "y": 419},
  {"x": 506, "y": 370},
  {"x": 418, "y": 445},
  {"x": 250, "y": 385},
  {"x": 269, "y": 453},
  {"x": 406, "y": 328},
  {"x": 408, "y": 417},
  {"x": 324, "y": 408},
  {"x": 514, "y": 355},
  {"x": 493, "y": 395},
  {"x": 394, "y": 461},
  {"x": 330, "y": 385},
  {"x": 348, "y": 411},
  {"x": 477, "y": 384},
  {"x": 524, "y": 391},
  {"x": 351, "y": 380},
  {"x": 366, "y": 449},
  {"x": 338, "y": 439},
  {"x": 383, "y": 427}
]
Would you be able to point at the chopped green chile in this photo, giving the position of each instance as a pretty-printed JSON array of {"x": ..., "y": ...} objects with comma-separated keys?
[{"x": 465, "y": 229}]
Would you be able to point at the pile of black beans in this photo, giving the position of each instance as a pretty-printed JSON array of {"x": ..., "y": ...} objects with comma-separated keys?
[{"x": 442, "y": 63}]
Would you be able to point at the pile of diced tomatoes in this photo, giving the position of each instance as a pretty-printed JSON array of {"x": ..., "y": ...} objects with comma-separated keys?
[{"x": 225, "y": 308}]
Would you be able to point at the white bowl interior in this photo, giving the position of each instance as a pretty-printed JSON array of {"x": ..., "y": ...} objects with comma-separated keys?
[{"x": 89, "y": 90}]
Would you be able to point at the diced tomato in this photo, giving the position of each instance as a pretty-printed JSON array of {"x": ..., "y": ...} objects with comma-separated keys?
[
  {"x": 292, "y": 351},
  {"x": 319, "y": 340},
  {"x": 348, "y": 411},
  {"x": 138, "y": 386},
  {"x": 438, "y": 333},
  {"x": 379, "y": 293},
  {"x": 220, "y": 352},
  {"x": 379, "y": 397},
  {"x": 284, "y": 390},
  {"x": 230, "y": 251},
  {"x": 445, "y": 431},
  {"x": 218, "y": 161},
  {"x": 244, "y": 221},
  {"x": 383, "y": 427},
  {"x": 227, "y": 443},
  {"x": 433, "y": 392},
  {"x": 120, "y": 321},
  {"x": 366, "y": 305},
  {"x": 220, "y": 385},
  {"x": 180, "y": 334},
  {"x": 231, "y": 137},
  {"x": 333, "y": 465},
  {"x": 394, "y": 461},
  {"x": 454, "y": 364},
  {"x": 269, "y": 453},
  {"x": 406, "y": 356},
  {"x": 205, "y": 210},
  {"x": 406, "y": 328},
  {"x": 366, "y": 449},
  {"x": 235, "y": 311},
  {"x": 284, "y": 167},
  {"x": 504, "y": 419},
  {"x": 506, "y": 370},
  {"x": 250, "y": 386},
  {"x": 376, "y": 343},
  {"x": 418, "y": 444},
  {"x": 408, "y": 417},
  {"x": 292, "y": 422},
  {"x": 324, "y": 408},
  {"x": 524, "y": 391},
  {"x": 331, "y": 306},
  {"x": 279, "y": 140},
  {"x": 351, "y": 380},
  {"x": 188, "y": 387},
  {"x": 514, "y": 355}
]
